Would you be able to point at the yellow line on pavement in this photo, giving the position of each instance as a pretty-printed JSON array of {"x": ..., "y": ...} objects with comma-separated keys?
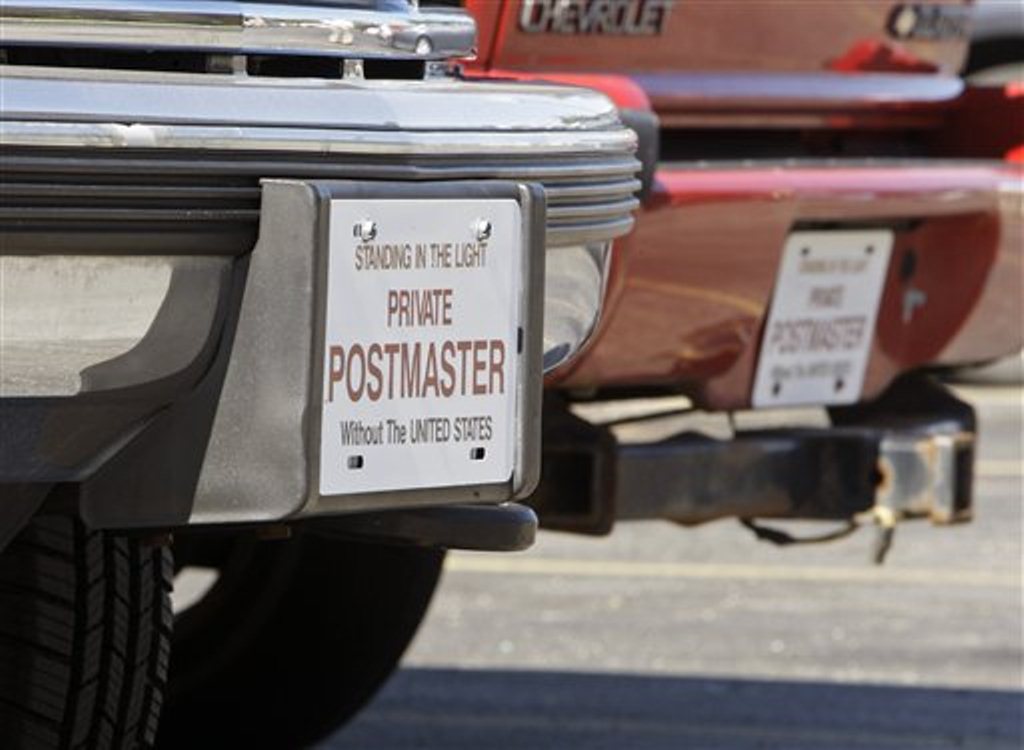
[
  {"x": 992, "y": 395},
  {"x": 1000, "y": 468},
  {"x": 547, "y": 566}
]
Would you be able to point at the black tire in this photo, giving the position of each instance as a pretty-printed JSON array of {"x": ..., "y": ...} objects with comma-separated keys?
[
  {"x": 293, "y": 640},
  {"x": 85, "y": 632}
]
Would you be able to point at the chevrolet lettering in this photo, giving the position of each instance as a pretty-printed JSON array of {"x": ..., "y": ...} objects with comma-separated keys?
[{"x": 611, "y": 17}]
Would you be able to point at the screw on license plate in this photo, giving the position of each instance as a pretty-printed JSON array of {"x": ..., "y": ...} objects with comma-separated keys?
[
  {"x": 355, "y": 462},
  {"x": 477, "y": 454},
  {"x": 365, "y": 230},
  {"x": 483, "y": 229}
]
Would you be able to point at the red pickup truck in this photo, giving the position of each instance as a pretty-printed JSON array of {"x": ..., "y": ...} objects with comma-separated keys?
[{"x": 829, "y": 215}]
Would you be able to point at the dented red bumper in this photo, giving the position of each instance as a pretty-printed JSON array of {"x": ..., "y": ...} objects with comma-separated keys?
[{"x": 690, "y": 289}]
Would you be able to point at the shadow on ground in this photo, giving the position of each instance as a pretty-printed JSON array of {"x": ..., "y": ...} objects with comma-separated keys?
[{"x": 443, "y": 708}]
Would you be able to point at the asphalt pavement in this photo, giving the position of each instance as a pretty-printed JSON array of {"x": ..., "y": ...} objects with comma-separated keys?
[{"x": 666, "y": 637}]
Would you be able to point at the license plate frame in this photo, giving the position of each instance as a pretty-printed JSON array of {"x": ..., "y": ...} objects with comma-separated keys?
[
  {"x": 336, "y": 199},
  {"x": 820, "y": 328}
]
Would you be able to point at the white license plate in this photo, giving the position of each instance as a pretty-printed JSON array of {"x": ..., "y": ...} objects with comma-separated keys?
[
  {"x": 420, "y": 345},
  {"x": 818, "y": 336}
]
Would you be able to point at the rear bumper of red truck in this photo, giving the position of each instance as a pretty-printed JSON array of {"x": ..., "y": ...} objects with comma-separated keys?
[
  {"x": 690, "y": 290},
  {"x": 691, "y": 287}
]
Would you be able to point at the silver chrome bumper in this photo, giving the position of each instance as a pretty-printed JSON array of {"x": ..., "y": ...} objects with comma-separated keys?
[
  {"x": 136, "y": 203},
  {"x": 145, "y": 147}
]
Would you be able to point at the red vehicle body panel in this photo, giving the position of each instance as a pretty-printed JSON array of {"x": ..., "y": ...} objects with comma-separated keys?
[
  {"x": 710, "y": 35},
  {"x": 690, "y": 287},
  {"x": 689, "y": 290}
]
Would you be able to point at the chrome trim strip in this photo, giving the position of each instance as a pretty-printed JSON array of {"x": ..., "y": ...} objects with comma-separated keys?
[
  {"x": 570, "y": 212},
  {"x": 565, "y": 235},
  {"x": 88, "y": 197},
  {"x": 572, "y": 193},
  {"x": 315, "y": 140},
  {"x": 231, "y": 103},
  {"x": 758, "y": 92},
  {"x": 240, "y": 27}
]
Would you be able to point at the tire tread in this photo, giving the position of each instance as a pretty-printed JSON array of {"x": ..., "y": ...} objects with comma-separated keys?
[{"x": 85, "y": 628}]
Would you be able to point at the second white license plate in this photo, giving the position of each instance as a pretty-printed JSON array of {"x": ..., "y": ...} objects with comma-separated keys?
[
  {"x": 821, "y": 324},
  {"x": 420, "y": 344}
]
